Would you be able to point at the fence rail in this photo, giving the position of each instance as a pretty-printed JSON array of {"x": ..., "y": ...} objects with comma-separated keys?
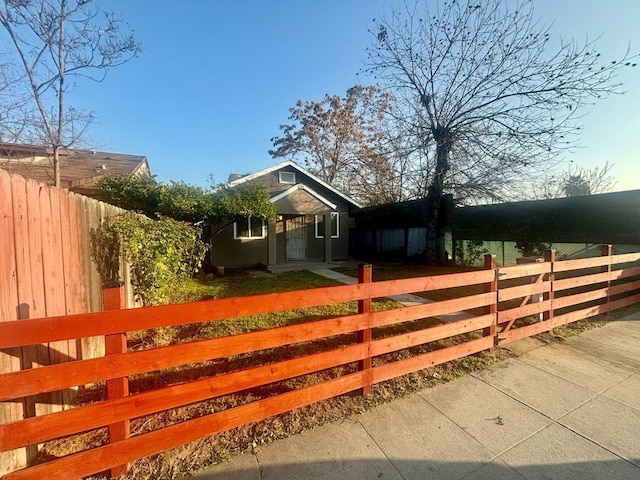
[{"x": 494, "y": 296}]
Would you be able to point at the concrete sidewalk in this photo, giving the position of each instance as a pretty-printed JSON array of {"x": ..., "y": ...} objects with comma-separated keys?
[{"x": 569, "y": 411}]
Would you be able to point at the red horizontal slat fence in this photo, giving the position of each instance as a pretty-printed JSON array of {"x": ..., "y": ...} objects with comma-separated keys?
[
  {"x": 570, "y": 290},
  {"x": 351, "y": 350}
]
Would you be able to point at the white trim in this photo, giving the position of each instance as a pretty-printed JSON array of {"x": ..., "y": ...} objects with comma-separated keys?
[
  {"x": 337, "y": 235},
  {"x": 262, "y": 231},
  {"x": 289, "y": 163},
  {"x": 301, "y": 186}
]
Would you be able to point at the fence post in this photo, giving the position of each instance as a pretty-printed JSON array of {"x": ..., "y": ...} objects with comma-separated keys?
[
  {"x": 113, "y": 298},
  {"x": 490, "y": 287},
  {"x": 364, "y": 336},
  {"x": 549, "y": 256},
  {"x": 607, "y": 251}
]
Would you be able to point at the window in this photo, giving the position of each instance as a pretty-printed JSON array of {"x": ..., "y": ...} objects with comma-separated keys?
[
  {"x": 287, "y": 177},
  {"x": 248, "y": 228},
  {"x": 335, "y": 225}
]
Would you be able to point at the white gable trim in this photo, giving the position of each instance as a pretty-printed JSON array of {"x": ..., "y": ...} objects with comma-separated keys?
[
  {"x": 301, "y": 186},
  {"x": 289, "y": 163}
]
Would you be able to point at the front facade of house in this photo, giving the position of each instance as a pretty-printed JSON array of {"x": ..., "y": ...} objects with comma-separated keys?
[{"x": 312, "y": 225}]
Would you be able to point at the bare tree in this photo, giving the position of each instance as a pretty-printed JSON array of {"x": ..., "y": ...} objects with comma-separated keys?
[
  {"x": 484, "y": 92},
  {"x": 60, "y": 40},
  {"x": 343, "y": 141},
  {"x": 13, "y": 112},
  {"x": 574, "y": 181}
]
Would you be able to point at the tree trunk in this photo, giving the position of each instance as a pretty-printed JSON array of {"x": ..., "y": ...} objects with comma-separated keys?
[
  {"x": 56, "y": 165},
  {"x": 435, "y": 247},
  {"x": 431, "y": 223}
]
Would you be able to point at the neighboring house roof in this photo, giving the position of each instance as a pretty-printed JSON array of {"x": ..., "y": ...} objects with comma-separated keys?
[
  {"x": 80, "y": 170},
  {"x": 288, "y": 163}
]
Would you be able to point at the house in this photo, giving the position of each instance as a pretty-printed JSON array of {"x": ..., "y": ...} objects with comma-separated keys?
[
  {"x": 313, "y": 222},
  {"x": 80, "y": 170}
]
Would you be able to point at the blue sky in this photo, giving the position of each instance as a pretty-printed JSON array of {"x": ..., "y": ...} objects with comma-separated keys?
[{"x": 216, "y": 79}]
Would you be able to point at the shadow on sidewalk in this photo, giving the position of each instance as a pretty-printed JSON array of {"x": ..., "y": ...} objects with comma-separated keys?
[{"x": 398, "y": 469}]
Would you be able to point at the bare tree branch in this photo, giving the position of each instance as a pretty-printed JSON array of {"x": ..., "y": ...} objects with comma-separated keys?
[
  {"x": 483, "y": 92},
  {"x": 56, "y": 40}
]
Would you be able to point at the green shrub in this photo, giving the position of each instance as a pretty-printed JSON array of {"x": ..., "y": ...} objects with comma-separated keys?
[
  {"x": 469, "y": 253},
  {"x": 160, "y": 253}
]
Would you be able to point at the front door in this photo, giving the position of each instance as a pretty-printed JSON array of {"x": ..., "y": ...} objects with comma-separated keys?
[{"x": 296, "y": 238}]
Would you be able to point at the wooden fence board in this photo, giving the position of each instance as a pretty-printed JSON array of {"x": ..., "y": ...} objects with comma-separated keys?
[
  {"x": 583, "y": 263},
  {"x": 511, "y": 314},
  {"x": 432, "y": 334},
  {"x": 624, "y": 302},
  {"x": 578, "y": 298},
  {"x": 53, "y": 281},
  {"x": 75, "y": 289},
  {"x": 426, "y": 360},
  {"x": 523, "y": 291},
  {"x": 624, "y": 288},
  {"x": 416, "y": 312},
  {"x": 21, "y": 241},
  {"x": 10, "y": 359},
  {"x": 8, "y": 276},
  {"x": 26, "y": 305},
  {"x": 625, "y": 258},
  {"x": 101, "y": 323},
  {"x": 425, "y": 284},
  {"x": 595, "y": 278},
  {"x": 71, "y": 277},
  {"x": 525, "y": 270},
  {"x": 37, "y": 307},
  {"x": 93, "y": 222},
  {"x": 570, "y": 317}
]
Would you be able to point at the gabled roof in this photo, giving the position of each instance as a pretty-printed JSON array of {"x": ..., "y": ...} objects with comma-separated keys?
[
  {"x": 80, "y": 170},
  {"x": 294, "y": 165},
  {"x": 301, "y": 186}
]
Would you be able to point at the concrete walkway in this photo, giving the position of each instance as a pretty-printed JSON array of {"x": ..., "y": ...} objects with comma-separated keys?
[
  {"x": 559, "y": 411},
  {"x": 406, "y": 299}
]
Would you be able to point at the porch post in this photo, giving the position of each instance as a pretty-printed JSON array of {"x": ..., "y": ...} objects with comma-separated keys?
[
  {"x": 271, "y": 241},
  {"x": 327, "y": 236}
]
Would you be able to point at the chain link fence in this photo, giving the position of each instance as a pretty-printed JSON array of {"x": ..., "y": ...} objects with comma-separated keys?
[{"x": 471, "y": 252}]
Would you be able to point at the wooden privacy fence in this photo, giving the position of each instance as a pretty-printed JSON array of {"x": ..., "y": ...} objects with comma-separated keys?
[
  {"x": 359, "y": 343},
  {"x": 46, "y": 270}
]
